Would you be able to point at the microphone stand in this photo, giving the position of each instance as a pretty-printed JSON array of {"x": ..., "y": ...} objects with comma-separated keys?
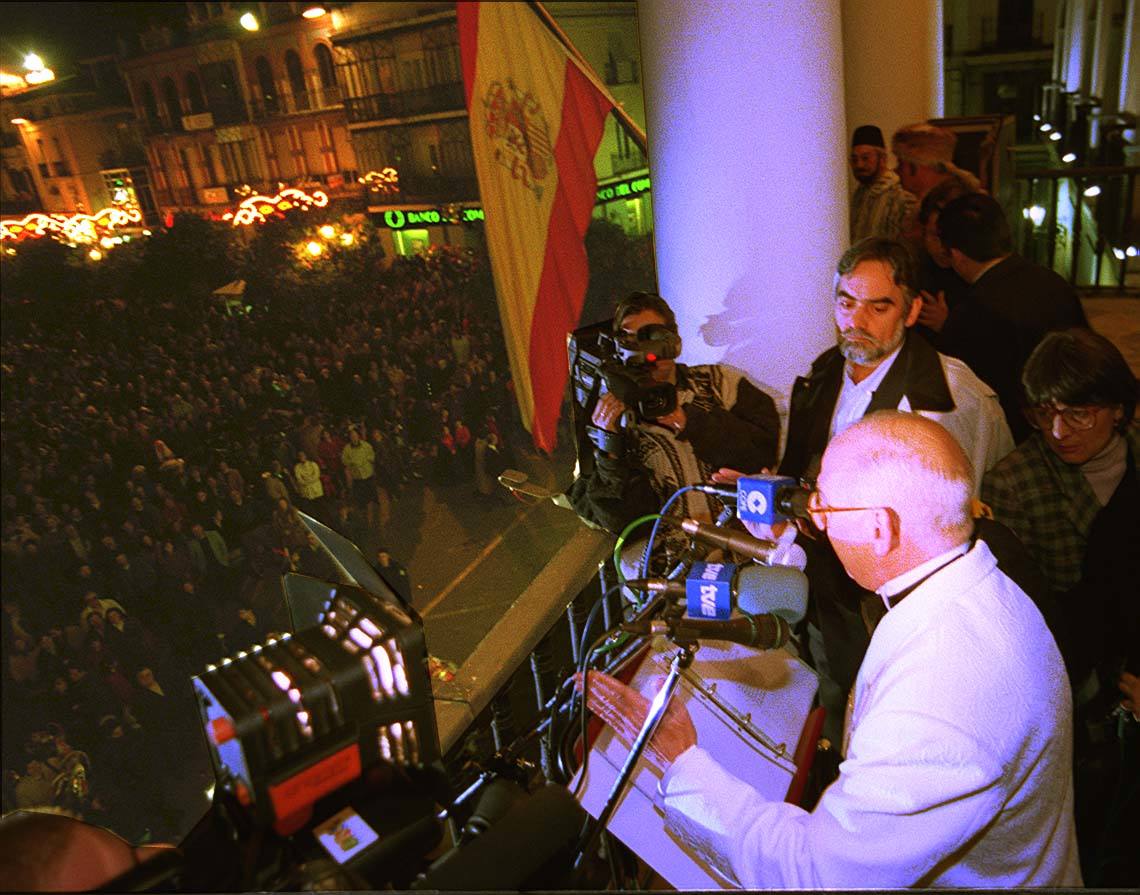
[{"x": 682, "y": 659}]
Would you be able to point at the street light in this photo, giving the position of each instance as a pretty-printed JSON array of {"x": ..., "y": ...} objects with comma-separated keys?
[
  {"x": 327, "y": 231},
  {"x": 1069, "y": 157},
  {"x": 32, "y": 62},
  {"x": 314, "y": 248},
  {"x": 1092, "y": 192},
  {"x": 314, "y": 12},
  {"x": 249, "y": 21}
]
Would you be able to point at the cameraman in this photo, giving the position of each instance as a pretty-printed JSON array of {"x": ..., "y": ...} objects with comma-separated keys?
[{"x": 721, "y": 419}]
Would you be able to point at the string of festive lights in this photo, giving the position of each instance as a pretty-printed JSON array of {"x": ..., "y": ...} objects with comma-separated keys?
[
  {"x": 385, "y": 181},
  {"x": 72, "y": 228},
  {"x": 258, "y": 209}
]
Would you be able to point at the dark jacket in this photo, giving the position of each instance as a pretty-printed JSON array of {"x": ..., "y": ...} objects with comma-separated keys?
[
  {"x": 1004, "y": 316},
  {"x": 916, "y": 374}
]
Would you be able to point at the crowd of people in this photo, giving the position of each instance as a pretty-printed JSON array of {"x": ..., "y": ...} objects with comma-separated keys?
[{"x": 155, "y": 455}]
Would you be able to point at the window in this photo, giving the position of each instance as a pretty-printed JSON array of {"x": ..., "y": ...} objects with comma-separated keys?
[
  {"x": 150, "y": 105},
  {"x": 194, "y": 94},
  {"x": 296, "y": 79},
  {"x": 171, "y": 102},
  {"x": 325, "y": 68},
  {"x": 267, "y": 89}
]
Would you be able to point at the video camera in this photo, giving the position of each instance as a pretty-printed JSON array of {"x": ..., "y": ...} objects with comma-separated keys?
[
  {"x": 622, "y": 365},
  {"x": 328, "y": 769}
]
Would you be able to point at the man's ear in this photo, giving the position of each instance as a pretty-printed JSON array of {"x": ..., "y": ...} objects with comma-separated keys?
[
  {"x": 915, "y": 310},
  {"x": 884, "y": 531}
]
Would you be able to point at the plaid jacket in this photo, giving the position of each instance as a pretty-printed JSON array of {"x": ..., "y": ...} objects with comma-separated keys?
[{"x": 1048, "y": 504}]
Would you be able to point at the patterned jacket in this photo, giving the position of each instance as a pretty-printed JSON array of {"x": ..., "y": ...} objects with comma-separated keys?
[
  {"x": 1049, "y": 505},
  {"x": 730, "y": 422}
]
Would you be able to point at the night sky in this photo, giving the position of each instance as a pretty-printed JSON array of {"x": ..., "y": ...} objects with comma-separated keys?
[{"x": 64, "y": 32}]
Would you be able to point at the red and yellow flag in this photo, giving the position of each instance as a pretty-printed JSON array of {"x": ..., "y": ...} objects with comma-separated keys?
[{"x": 536, "y": 122}]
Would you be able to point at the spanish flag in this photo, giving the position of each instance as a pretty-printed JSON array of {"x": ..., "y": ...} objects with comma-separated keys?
[{"x": 536, "y": 122}]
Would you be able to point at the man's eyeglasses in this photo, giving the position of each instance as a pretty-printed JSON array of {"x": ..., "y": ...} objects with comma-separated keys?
[
  {"x": 1042, "y": 416},
  {"x": 818, "y": 511}
]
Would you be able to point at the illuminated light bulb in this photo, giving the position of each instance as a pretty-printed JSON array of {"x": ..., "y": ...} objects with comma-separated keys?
[
  {"x": 314, "y": 12},
  {"x": 314, "y": 249},
  {"x": 327, "y": 231},
  {"x": 94, "y": 254},
  {"x": 1069, "y": 157},
  {"x": 106, "y": 242},
  {"x": 347, "y": 239},
  {"x": 1036, "y": 214},
  {"x": 1120, "y": 254},
  {"x": 1132, "y": 251},
  {"x": 32, "y": 62},
  {"x": 249, "y": 21},
  {"x": 1036, "y": 117},
  {"x": 356, "y": 634},
  {"x": 1092, "y": 192},
  {"x": 1055, "y": 136},
  {"x": 19, "y": 121},
  {"x": 1045, "y": 128}
]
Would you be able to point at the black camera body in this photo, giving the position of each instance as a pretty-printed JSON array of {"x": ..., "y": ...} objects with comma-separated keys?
[{"x": 623, "y": 366}]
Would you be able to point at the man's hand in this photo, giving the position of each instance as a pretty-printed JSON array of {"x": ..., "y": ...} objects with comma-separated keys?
[
  {"x": 724, "y": 476},
  {"x": 607, "y": 413},
  {"x": 934, "y": 310},
  {"x": 624, "y": 709},
  {"x": 1129, "y": 685},
  {"x": 675, "y": 421}
]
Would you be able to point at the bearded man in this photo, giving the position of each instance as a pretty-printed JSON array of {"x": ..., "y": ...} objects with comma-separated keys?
[{"x": 880, "y": 206}]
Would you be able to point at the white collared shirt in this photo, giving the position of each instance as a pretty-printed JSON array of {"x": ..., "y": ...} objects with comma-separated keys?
[
  {"x": 901, "y": 582},
  {"x": 855, "y": 396}
]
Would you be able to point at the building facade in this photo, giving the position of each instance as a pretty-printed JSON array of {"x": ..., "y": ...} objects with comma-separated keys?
[{"x": 227, "y": 111}]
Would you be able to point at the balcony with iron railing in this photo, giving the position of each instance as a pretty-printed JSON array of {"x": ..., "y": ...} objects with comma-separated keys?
[
  {"x": 1082, "y": 222},
  {"x": 422, "y": 101},
  {"x": 294, "y": 103}
]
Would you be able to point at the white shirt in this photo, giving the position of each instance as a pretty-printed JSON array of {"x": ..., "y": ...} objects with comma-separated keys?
[
  {"x": 901, "y": 582},
  {"x": 855, "y": 396},
  {"x": 960, "y": 767}
]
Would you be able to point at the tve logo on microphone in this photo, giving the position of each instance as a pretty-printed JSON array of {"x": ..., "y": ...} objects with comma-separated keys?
[
  {"x": 708, "y": 590},
  {"x": 756, "y": 497}
]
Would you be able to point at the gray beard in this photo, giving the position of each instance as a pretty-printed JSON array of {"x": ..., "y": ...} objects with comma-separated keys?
[{"x": 865, "y": 354}]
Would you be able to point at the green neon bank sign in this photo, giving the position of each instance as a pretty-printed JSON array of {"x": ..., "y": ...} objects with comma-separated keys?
[{"x": 401, "y": 219}]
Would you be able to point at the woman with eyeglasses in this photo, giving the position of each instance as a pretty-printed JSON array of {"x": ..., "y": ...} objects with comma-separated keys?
[{"x": 1071, "y": 493}]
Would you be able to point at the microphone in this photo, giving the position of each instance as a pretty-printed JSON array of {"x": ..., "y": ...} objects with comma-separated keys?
[
  {"x": 763, "y": 632},
  {"x": 752, "y": 589},
  {"x": 737, "y": 541},
  {"x": 770, "y": 499}
]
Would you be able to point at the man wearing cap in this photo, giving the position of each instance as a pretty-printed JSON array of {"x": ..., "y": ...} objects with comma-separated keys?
[
  {"x": 925, "y": 156},
  {"x": 880, "y": 205}
]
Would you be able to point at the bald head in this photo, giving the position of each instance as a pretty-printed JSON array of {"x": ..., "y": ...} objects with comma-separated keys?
[{"x": 918, "y": 482}]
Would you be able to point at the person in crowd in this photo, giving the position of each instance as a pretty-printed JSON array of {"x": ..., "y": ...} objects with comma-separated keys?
[
  {"x": 880, "y": 206},
  {"x": 879, "y": 363},
  {"x": 359, "y": 461},
  {"x": 925, "y": 154},
  {"x": 1070, "y": 492},
  {"x": 939, "y": 287},
  {"x": 721, "y": 420},
  {"x": 307, "y": 475},
  {"x": 958, "y": 771},
  {"x": 1011, "y": 304}
]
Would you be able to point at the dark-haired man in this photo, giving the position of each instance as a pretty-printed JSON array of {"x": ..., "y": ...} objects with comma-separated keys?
[
  {"x": 721, "y": 419},
  {"x": 879, "y": 363},
  {"x": 1012, "y": 302}
]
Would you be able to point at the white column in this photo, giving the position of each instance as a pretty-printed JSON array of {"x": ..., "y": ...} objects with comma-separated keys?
[
  {"x": 1130, "y": 60},
  {"x": 892, "y": 62},
  {"x": 1078, "y": 14},
  {"x": 1101, "y": 47},
  {"x": 747, "y": 153}
]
